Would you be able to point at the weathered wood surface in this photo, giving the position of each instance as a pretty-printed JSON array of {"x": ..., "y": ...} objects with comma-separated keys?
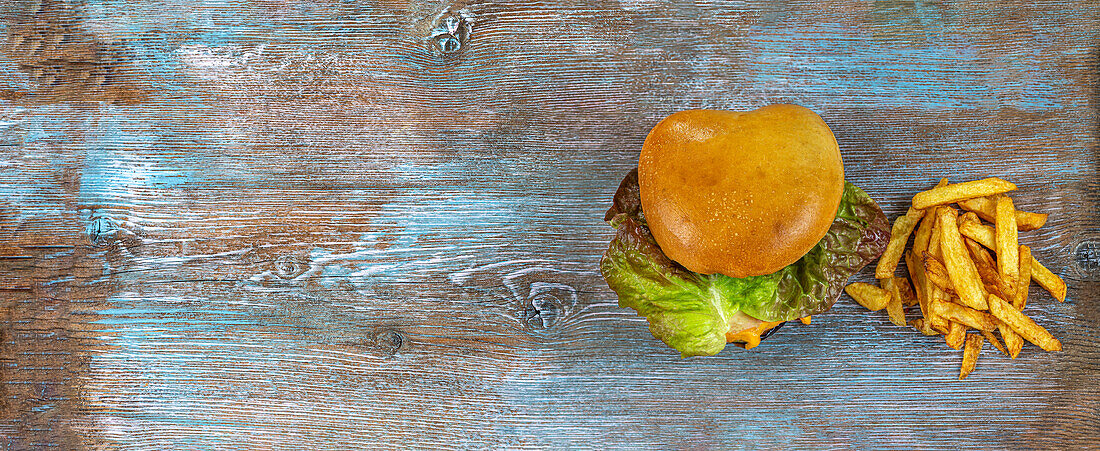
[{"x": 327, "y": 224}]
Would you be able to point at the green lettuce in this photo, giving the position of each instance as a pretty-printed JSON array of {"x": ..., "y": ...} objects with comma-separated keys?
[{"x": 692, "y": 312}]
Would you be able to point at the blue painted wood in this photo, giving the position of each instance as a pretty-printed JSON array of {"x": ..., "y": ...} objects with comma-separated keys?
[{"x": 332, "y": 225}]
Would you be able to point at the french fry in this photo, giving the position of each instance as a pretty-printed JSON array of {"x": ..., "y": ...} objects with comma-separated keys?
[
  {"x": 963, "y": 315},
  {"x": 1013, "y": 341},
  {"x": 805, "y": 320},
  {"x": 970, "y": 354},
  {"x": 986, "y": 236},
  {"x": 1030, "y": 221},
  {"x": 1023, "y": 325},
  {"x": 896, "y": 311},
  {"x": 923, "y": 236},
  {"x": 983, "y": 234},
  {"x": 968, "y": 217},
  {"x": 955, "y": 335},
  {"x": 893, "y": 307},
  {"x": 964, "y": 275},
  {"x": 923, "y": 326},
  {"x": 960, "y": 191},
  {"x": 979, "y": 254},
  {"x": 1008, "y": 250},
  {"x": 930, "y": 291},
  {"x": 937, "y": 322},
  {"x": 899, "y": 236},
  {"x": 1054, "y": 284},
  {"x": 1020, "y": 299},
  {"x": 987, "y": 269},
  {"x": 935, "y": 271},
  {"x": 994, "y": 341},
  {"x": 867, "y": 295},
  {"x": 934, "y": 244},
  {"x": 916, "y": 274},
  {"x": 924, "y": 232},
  {"x": 908, "y": 297},
  {"x": 985, "y": 208}
]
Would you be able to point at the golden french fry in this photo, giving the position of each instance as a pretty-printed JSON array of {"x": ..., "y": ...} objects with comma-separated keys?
[
  {"x": 1023, "y": 325},
  {"x": 1013, "y": 341},
  {"x": 867, "y": 295},
  {"x": 983, "y": 234},
  {"x": 970, "y": 354},
  {"x": 936, "y": 272},
  {"x": 955, "y": 335},
  {"x": 1027, "y": 220},
  {"x": 896, "y": 311},
  {"x": 934, "y": 244},
  {"x": 923, "y": 326},
  {"x": 1008, "y": 250},
  {"x": 961, "y": 191},
  {"x": 908, "y": 297},
  {"x": 922, "y": 237},
  {"x": 987, "y": 269},
  {"x": 940, "y": 324},
  {"x": 1020, "y": 299},
  {"x": 916, "y": 273},
  {"x": 893, "y": 307},
  {"x": 963, "y": 315},
  {"x": 979, "y": 254},
  {"x": 1030, "y": 221},
  {"x": 964, "y": 275},
  {"x": 933, "y": 291},
  {"x": 924, "y": 233},
  {"x": 994, "y": 341},
  {"x": 899, "y": 236},
  {"x": 1040, "y": 274},
  {"x": 985, "y": 208},
  {"x": 1054, "y": 284},
  {"x": 968, "y": 217},
  {"x": 805, "y": 320},
  {"x": 937, "y": 322}
]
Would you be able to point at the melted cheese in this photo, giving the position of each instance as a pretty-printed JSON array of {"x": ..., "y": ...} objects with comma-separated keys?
[{"x": 750, "y": 336}]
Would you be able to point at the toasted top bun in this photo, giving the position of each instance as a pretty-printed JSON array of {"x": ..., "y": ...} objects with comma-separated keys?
[{"x": 740, "y": 194}]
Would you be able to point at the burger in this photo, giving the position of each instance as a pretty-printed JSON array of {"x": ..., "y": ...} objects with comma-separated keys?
[{"x": 734, "y": 223}]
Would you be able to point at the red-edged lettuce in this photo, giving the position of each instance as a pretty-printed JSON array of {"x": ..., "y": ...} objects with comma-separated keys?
[{"x": 692, "y": 312}]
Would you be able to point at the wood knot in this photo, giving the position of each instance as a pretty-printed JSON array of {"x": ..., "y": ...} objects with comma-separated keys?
[
  {"x": 100, "y": 230},
  {"x": 546, "y": 303},
  {"x": 1087, "y": 258},
  {"x": 388, "y": 342},
  {"x": 543, "y": 295},
  {"x": 290, "y": 266},
  {"x": 280, "y": 268},
  {"x": 450, "y": 33}
]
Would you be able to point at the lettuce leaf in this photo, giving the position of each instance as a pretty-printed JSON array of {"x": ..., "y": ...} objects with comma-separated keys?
[{"x": 691, "y": 312}]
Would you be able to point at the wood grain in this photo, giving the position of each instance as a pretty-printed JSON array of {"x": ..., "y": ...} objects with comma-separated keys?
[{"x": 333, "y": 225}]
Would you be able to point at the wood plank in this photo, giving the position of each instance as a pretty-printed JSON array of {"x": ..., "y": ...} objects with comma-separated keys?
[{"x": 314, "y": 224}]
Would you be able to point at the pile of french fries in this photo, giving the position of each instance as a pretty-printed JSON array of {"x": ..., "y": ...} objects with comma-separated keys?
[{"x": 957, "y": 284}]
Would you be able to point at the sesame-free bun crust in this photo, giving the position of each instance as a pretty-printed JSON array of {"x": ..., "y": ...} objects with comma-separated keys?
[{"x": 740, "y": 194}]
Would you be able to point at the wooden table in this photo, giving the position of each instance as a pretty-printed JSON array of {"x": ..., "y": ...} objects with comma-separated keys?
[{"x": 332, "y": 224}]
